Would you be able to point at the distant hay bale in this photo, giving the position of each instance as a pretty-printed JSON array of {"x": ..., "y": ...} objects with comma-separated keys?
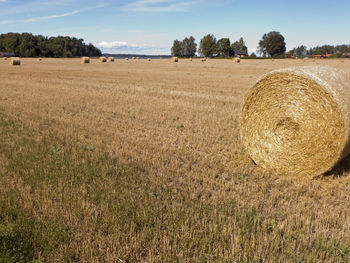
[
  {"x": 103, "y": 59},
  {"x": 174, "y": 59},
  {"x": 40, "y": 59},
  {"x": 110, "y": 59},
  {"x": 236, "y": 59},
  {"x": 296, "y": 121},
  {"x": 15, "y": 61},
  {"x": 5, "y": 58},
  {"x": 203, "y": 59},
  {"x": 127, "y": 59},
  {"x": 190, "y": 59},
  {"x": 149, "y": 59},
  {"x": 85, "y": 60}
]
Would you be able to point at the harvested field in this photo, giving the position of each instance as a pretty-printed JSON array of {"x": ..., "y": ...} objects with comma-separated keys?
[{"x": 177, "y": 123}]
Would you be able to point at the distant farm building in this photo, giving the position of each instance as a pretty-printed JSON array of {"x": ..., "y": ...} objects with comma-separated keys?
[
  {"x": 241, "y": 53},
  {"x": 6, "y": 55},
  {"x": 322, "y": 56}
]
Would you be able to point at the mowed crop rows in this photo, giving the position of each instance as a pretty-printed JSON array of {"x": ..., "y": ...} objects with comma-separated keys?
[{"x": 179, "y": 123}]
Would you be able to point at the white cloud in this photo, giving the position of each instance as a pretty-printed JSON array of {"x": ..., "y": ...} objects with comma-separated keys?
[
  {"x": 160, "y": 6},
  {"x": 34, "y": 19},
  {"x": 123, "y": 47},
  {"x": 118, "y": 44},
  {"x": 6, "y": 22}
]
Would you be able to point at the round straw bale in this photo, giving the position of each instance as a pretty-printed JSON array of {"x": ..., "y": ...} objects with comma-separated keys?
[
  {"x": 236, "y": 59},
  {"x": 174, "y": 59},
  {"x": 40, "y": 59},
  {"x": 111, "y": 59},
  {"x": 190, "y": 59},
  {"x": 85, "y": 60},
  {"x": 296, "y": 121},
  {"x": 127, "y": 59},
  {"x": 103, "y": 59},
  {"x": 203, "y": 59},
  {"x": 5, "y": 58},
  {"x": 15, "y": 61},
  {"x": 149, "y": 59}
]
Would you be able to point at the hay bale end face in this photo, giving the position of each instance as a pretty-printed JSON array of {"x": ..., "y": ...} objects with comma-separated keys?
[
  {"x": 148, "y": 59},
  {"x": 296, "y": 121},
  {"x": 111, "y": 59},
  {"x": 236, "y": 59},
  {"x": 174, "y": 59},
  {"x": 103, "y": 59},
  {"x": 15, "y": 61},
  {"x": 85, "y": 60}
]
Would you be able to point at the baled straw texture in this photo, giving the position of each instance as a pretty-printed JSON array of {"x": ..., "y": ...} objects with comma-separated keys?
[
  {"x": 85, "y": 60},
  {"x": 15, "y": 61},
  {"x": 296, "y": 121},
  {"x": 174, "y": 59},
  {"x": 111, "y": 59},
  {"x": 237, "y": 60},
  {"x": 203, "y": 59},
  {"x": 103, "y": 59},
  {"x": 149, "y": 59}
]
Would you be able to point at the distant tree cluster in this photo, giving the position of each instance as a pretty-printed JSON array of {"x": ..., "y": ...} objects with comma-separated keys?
[
  {"x": 28, "y": 45},
  {"x": 185, "y": 48},
  {"x": 209, "y": 47},
  {"x": 272, "y": 44},
  {"x": 337, "y": 51}
]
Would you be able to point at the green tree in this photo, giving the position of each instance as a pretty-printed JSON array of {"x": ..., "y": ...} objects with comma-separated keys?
[
  {"x": 28, "y": 45},
  {"x": 177, "y": 49},
  {"x": 223, "y": 47},
  {"x": 189, "y": 47},
  {"x": 272, "y": 44},
  {"x": 239, "y": 47},
  {"x": 207, "y": 46}
]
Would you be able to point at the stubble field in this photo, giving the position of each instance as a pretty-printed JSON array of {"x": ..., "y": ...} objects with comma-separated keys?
[{"x": 141, "y": 161}]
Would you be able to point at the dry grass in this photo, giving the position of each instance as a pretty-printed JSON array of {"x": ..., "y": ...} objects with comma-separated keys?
[{"x": 195, "y": 195}]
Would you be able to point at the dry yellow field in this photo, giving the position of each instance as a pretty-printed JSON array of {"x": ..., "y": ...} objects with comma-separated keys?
[{"x": 179, "y": 122}]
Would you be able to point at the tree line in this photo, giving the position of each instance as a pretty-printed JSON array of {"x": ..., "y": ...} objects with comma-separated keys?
[
  {"x": 336, "y": 51},
  {"x": 272, "y": 44},
  {"x": 29, "y": 45},
  {"x": 208, "y": 47}
]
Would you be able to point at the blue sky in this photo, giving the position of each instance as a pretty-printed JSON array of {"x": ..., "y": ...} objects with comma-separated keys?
[{"x": 150, "y": 26}]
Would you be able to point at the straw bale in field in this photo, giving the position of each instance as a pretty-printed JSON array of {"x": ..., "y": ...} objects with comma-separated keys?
[
  {"x": 111, "y": 59},
  {"x": 149, "y": 59},
  {"x": 296, "y": 121},
  {"x": 203, "y": 59},
  {"x": 190, "y": 59},
  {"x": 103, "y": 59},
  {"x": 15, "y": 61},
  {"x": 40, "y": 59},
  {"x": 174, "y": 59},
  {"x": 5, "y": 58},
  {"x": 236, "y": 59},
  {"x": 85, "y": 60}
]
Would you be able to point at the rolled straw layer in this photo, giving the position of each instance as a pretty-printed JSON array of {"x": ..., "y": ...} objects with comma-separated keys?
[
  {"x": 15, "y": 61},
  {"x": 296, "y": 121}
]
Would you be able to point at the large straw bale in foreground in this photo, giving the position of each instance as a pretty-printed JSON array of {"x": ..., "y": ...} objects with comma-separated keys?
[
  {"x": 103, "y": 59},
  {"x": 296, "y": 121},
  {"x": 15, "y": 61},
  {"x": 85, "y": 60},
  {"x": 174, "y": 59}
]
